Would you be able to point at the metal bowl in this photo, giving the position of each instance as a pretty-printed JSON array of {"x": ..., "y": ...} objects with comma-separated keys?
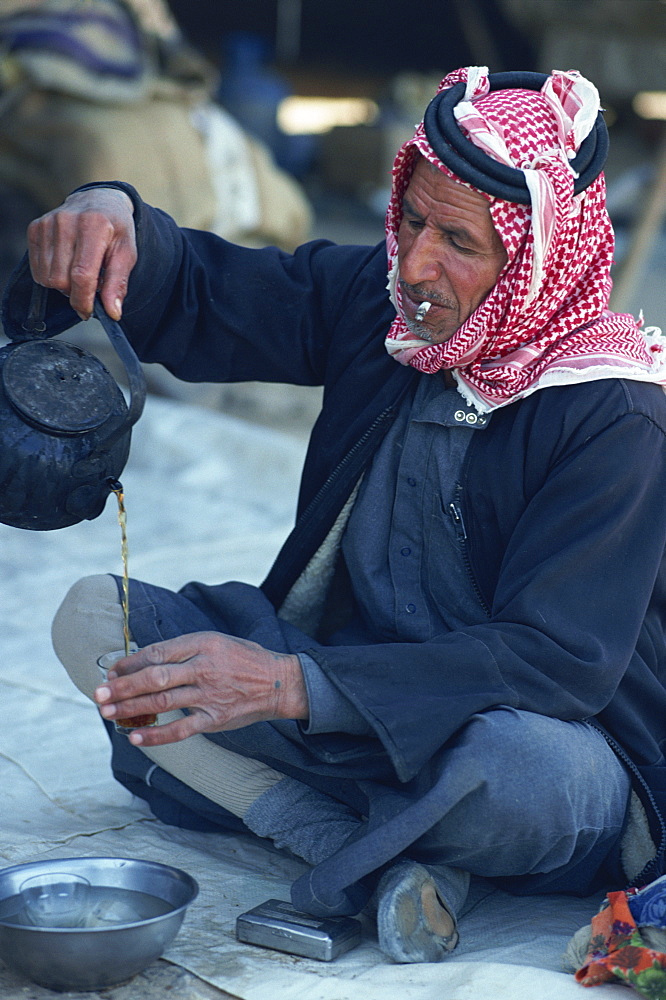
[{"x": 90, "y": 958}]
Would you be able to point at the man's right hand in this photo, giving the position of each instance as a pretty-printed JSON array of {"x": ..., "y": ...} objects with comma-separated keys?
[{"x": 86, "y": 245}]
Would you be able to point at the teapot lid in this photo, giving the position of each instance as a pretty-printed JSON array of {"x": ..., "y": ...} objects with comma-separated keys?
[{"x": 58, "y": 387}]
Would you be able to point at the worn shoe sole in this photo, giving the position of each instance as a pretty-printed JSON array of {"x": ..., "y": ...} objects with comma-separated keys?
[{"x": 413, "y": 923}]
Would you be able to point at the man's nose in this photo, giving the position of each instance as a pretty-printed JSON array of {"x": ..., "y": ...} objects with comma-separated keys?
[{"x": 419, "y": 262}]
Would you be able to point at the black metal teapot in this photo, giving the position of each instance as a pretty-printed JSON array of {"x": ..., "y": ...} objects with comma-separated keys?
[{"x": 65, "y": 427}]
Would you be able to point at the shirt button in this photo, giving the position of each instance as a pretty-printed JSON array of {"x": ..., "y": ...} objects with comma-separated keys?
[
  {"x": 471, "y": 418},
  {"x": 411, "y": 481},
  {"x": 460, "y": 416},
  {"x": 410, "y": 609},
  {"x": 406, "y": 551}
]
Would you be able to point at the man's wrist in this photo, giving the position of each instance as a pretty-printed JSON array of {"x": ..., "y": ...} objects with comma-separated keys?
[
  {"x": 127, "y": 201},
  {"x": 291, "y": 693}
]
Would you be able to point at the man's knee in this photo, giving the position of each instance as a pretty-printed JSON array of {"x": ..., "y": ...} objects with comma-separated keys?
[
  {"x": 527, "y": 742},
  {"x": 502, "y": 762},
  {"x": 88, "y": 623},
  {"x": 531, "y": 785},
  {"x": 90, "y": 591},
  {"x": 533, "y": 759}
]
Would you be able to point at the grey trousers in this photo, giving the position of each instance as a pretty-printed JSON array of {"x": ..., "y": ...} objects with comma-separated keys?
[{"x": 526, "y": 795}]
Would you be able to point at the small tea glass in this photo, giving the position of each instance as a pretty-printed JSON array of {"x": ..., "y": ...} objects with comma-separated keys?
[
  {"x": 124, "y": 726},
  {"x": 55, "y": 899}
]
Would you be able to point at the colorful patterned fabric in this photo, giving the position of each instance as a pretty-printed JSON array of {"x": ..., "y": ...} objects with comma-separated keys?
[
  {"x": 648, "y": 905},
  {"x": 617, "y": 952},
  {"x": 546, "y": 321}
]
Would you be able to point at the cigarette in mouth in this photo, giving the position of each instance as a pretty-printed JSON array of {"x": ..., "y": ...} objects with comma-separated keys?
[{"x": 421, "y": 311}]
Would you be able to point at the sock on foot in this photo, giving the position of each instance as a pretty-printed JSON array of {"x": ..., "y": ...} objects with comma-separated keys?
[
  {"x": 307, "y": 822},
  {"x": 414, "y": 923}
]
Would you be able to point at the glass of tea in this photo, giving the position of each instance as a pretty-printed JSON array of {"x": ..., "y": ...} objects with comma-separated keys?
[{"x": 124, "y": 726}]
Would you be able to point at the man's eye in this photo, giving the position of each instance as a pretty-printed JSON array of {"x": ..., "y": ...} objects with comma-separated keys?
[{"x": 459, "y": 247}]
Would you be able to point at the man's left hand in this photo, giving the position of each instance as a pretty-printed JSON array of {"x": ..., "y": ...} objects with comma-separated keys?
[{"x": 224, "y": 682}]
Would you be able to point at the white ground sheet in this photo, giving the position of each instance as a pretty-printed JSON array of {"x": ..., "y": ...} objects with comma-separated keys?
[{"x": 210, "y": 498}]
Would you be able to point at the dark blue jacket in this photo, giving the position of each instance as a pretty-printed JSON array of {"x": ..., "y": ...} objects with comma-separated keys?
[{"x": 563, "y": 500}]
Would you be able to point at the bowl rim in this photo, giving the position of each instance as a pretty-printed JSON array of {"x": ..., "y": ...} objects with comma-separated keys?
[{"x": 50, "y": 865}]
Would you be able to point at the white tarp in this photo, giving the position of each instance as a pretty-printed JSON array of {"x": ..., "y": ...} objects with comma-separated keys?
[{"x": 210, "y": 498}]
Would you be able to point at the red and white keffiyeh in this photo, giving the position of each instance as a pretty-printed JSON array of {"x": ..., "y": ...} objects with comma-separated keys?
[{"x": 546, "y": 321}]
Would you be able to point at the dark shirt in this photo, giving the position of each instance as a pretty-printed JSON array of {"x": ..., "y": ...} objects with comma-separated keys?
[{"x": 407, "y": 512}]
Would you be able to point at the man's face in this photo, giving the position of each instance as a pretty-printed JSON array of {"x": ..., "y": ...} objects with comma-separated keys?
[{"x": 449, "y": 252}]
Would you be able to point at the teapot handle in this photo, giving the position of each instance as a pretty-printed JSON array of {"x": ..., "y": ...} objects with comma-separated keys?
[
  {"x": 136, "y": 382},
  {"x": 33, "y": 325},
  {"x": 135, "y": 377},
  {"x": 34, "y": 328}
]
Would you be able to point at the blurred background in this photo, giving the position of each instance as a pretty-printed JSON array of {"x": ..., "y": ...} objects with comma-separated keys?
[{"x": 276, "y": 121}]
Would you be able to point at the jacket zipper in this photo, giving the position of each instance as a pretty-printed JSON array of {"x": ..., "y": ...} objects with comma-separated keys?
[
  {"x": 455, "y": 512},
  {"x": 341, "y": 466},
  {"x": 651, "y": 870},
  {"x": 293, "y": 548}
]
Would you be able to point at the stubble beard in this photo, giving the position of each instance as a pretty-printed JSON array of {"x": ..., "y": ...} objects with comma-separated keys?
[{"x": 420, "y": 329}]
